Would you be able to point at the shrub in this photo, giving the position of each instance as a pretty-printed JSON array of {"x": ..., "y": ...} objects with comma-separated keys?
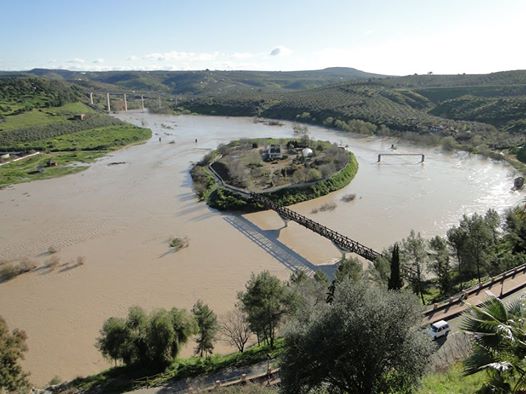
[
  {"x": 349, "y": 197},
  {"x": 53, "y": 263},
  {"x": 7, "y": 272},
  {"x": 179, "y": 243}
]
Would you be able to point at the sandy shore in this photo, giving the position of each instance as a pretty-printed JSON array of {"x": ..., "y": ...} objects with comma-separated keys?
[{"x": 120, "y": 219}]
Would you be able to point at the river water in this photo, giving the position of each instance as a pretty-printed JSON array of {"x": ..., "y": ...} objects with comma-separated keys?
[{"x": 121, "y": 217}]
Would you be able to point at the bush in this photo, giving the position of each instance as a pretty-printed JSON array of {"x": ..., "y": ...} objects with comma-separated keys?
[
  {"x": 349, "y": 197},
  {"x": 179, "y": 243},
  {"x": 7, "y": 272}
]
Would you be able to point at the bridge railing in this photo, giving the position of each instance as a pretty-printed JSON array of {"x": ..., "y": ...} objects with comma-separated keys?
[{"x": 458, "y": 298}]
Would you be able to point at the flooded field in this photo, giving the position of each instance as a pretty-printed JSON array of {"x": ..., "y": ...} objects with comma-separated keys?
[{"x": 120, "y": 218}]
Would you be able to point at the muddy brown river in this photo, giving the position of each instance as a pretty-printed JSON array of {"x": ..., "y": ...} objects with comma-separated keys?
[{"x": 121, "y": 217}]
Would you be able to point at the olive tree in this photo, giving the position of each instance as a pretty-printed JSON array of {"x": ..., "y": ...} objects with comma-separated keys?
[{"x": 367, "y": 341}]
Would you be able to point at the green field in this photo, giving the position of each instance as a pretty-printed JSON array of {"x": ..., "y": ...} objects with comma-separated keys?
[
  {"x": 69, "y": 151},
  {"x": 44, "y": 116},
  {"x": 30, "y": 122}
]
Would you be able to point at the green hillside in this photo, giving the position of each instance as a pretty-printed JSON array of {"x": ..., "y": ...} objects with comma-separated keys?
[
  {"x": 209, "y": 82},
  {"x": 45, "y": 116},
  {"x": 506, "y": 112}
]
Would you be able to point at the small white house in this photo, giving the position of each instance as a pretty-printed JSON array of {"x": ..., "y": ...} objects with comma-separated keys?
[
  {"x": 307, "y": 152},
  {"x": 273, "y": 152}
]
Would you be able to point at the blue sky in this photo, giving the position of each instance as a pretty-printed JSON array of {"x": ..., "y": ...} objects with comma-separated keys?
[{"x": 389, "y": 37}]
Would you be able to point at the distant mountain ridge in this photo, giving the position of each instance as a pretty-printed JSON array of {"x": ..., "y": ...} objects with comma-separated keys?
[{"x": 207, "y": 82}]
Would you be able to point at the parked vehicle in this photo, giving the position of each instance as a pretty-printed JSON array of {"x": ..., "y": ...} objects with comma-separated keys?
[{"x": 439, "y": 329}]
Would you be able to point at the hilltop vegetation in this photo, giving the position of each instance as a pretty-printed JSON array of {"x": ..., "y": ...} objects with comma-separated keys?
[{"x": 22, "y": 94}]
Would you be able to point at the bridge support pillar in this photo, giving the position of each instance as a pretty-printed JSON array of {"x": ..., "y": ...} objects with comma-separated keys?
[
  {"x": 285, "y": 222},
  {"x": 108, "y": 102},
  {"x": 379, "y": 158},
  {"x": 125, "y": 103},
  {"x": 423, "y": 157},
  {"x": 91, "y": 98},
  {"x": 142, "y": 103}
]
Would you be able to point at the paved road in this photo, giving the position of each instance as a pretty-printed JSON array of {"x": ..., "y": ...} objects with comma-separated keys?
[
  {"x": 457, "y": 346},
  {"x": 499, "y": 288}
]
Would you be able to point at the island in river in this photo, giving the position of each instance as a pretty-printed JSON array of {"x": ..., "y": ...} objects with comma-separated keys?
[{"x": 286, "y": 170}]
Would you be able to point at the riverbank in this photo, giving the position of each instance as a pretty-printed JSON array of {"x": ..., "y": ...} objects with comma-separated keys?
[{"x": 69, "y": 138}]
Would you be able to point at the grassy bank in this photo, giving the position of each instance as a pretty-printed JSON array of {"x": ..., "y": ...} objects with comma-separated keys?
[
  {"x": 452, "y": 381},
  {"x": 120, "y": 379},
  {"x": 67, "y": 146},
  {"x": 209, "y": 190}
]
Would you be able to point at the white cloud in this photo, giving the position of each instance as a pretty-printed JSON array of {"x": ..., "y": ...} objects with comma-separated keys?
[
  {"x": 76, "y": 60},
  {"x": 98, "y": 61},
  {"x": 280, "y": 51}
]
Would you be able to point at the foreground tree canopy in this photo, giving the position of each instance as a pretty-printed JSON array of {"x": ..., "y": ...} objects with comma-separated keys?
[
  {"x": 367, "y": 341},
  {"x": 12, "y": 348},
  {"x": 499, "y": 344}
]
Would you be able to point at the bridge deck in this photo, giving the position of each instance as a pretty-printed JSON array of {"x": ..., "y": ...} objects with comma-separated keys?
[{"x": 342, "y": 242}]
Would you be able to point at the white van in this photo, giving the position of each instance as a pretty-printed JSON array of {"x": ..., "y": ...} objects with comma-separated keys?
[{"x": 439, "y": 329}]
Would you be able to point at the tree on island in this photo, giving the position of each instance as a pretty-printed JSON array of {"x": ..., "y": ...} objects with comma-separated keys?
[
  {"x": 395, "y": 279},
  {"x": 207, "y": 327},
  {"x": 367, "y": 341},
  {"x": 12, "y": 349}
]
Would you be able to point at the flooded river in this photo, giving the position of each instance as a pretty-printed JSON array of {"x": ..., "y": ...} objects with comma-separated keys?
[{"x": 120, "y": 219}]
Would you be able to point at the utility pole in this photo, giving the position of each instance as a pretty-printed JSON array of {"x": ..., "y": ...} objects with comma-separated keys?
[
  {"x": 91, "y": 98},
  {"x": 125, "y": 103},
  {"x": 142, "y": 103},
  {"x": 108, "y": 102}
]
